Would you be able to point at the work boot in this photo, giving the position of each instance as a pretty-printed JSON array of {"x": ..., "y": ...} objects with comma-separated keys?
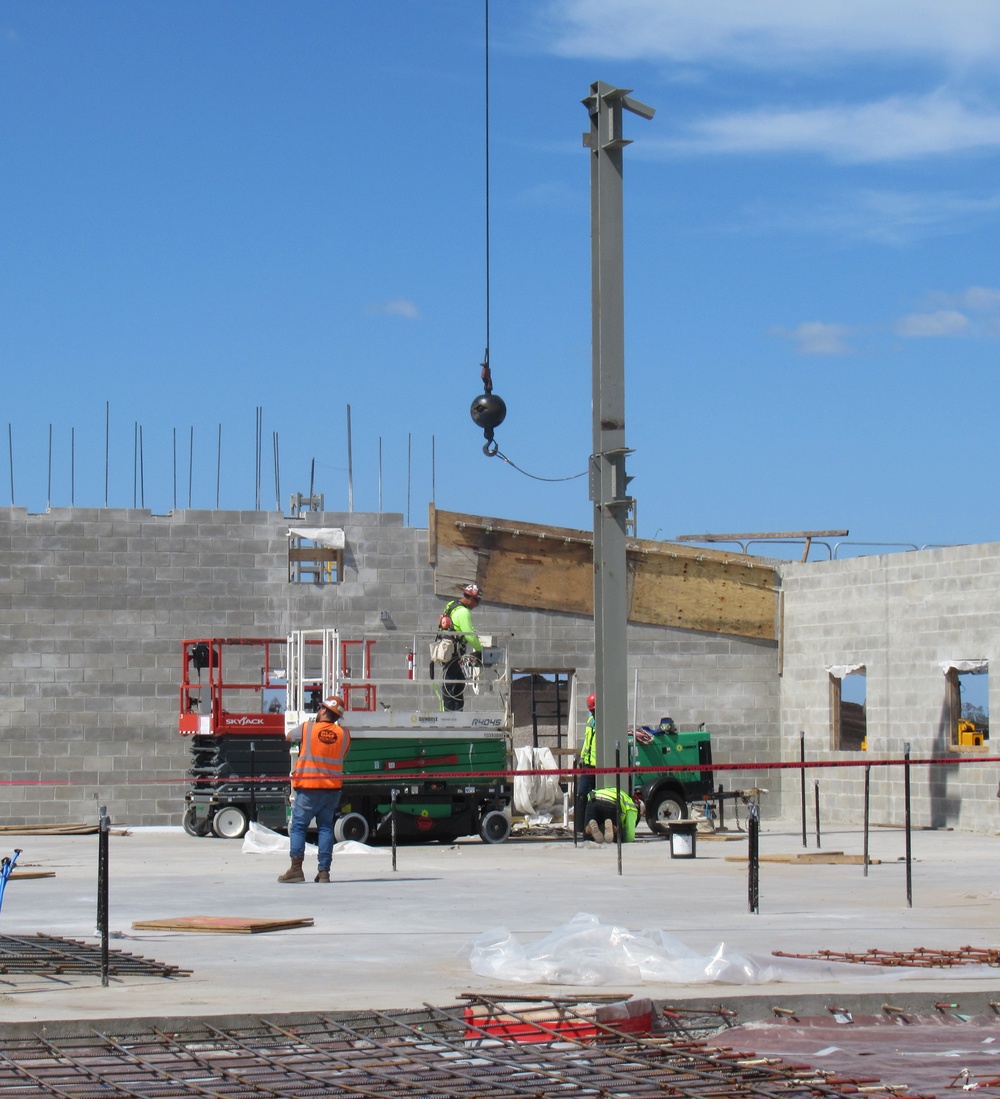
[
  {"x": 609, "y": 832},
  {"x": 323, "y": 875},
  {"x": 294, "y": 872},
  {"x": 593, "y": 830}
]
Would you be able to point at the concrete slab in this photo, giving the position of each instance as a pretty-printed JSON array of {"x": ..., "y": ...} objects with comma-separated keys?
[{"x": 387, "y": 938}]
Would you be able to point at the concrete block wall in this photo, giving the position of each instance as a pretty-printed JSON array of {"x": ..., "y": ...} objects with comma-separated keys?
[
  {"x": 95, "y": 602},
  {"x": 901, "y": 615}
]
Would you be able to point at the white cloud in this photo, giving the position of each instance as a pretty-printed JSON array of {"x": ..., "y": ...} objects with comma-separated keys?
[
  {"x": 900, "y": 127},
  {"x": 773, "y": 33},
  {"x": 981, "y": 299},
  {"x": 886, "y": 217},
  {"x": 817, "y": 338},
  {"x": 394, "y": 307},
  {"x": 943, "y": 322}
]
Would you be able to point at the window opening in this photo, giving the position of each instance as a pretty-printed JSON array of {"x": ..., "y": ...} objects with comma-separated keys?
[
  {"x": 541, "y": 708},
  {"x": 968, "y": 703},
  {"x": 315, "y": 555},
  {"x": 849, "y": 698}
]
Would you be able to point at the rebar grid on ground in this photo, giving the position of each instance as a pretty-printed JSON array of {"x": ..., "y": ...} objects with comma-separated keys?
[
  {"x": 47, "y": 955},
  {"x": 919, "y": 958},
  {"x": 394, "y": 1056}
]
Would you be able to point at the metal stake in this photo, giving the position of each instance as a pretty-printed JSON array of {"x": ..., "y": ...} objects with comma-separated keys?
[
  {"x": 868, "y": 789},
  {"x": 816, "y": 791},
  {"x": 392, "y": 815},
  {"x": 102, "y": 889},
  {"x": 906, "y": 801},
  {"x": 753, "y": 856}
]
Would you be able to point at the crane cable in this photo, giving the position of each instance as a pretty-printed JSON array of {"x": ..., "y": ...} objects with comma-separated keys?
[{"x": 488, "y": 410}]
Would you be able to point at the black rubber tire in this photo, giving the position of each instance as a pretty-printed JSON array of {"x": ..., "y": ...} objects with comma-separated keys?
[
  {"x": 664, "y": 806},
  {"x": 191, "y": 825},
  {"x": 351, "y": 826},
  {"x": 230, "y": 823},
  {"x": 494, "y": 827}
]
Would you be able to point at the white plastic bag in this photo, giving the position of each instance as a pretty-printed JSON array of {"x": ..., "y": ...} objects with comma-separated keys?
[{"x": 263, "y": 841}]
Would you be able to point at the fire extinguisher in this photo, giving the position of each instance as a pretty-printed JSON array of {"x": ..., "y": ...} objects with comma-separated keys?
[{"x": 409, "y": 664}]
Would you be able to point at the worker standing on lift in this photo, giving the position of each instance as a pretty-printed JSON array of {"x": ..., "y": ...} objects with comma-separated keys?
[{"x": 458, "y": 614}]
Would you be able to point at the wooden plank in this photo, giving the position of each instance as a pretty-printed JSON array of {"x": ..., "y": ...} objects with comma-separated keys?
[
  {"x": 16, "y": 873},
  {"x": 237, "y": 925},
  {"x": 812, "y": 858}
]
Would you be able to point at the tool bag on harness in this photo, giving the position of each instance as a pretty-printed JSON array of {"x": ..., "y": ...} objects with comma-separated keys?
[{"x": 444, "y": 649}]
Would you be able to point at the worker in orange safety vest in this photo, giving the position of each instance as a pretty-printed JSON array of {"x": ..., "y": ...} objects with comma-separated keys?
[{"x": 317, "y": 779}]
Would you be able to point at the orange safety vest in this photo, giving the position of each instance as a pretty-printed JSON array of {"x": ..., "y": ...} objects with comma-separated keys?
[{"x": 320, "y": 765}]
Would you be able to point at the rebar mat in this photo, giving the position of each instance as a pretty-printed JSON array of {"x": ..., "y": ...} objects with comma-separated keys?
[
  {"x": 426, "y": 1054},
  {"x": 919, "y": 958},
  {"x": 48, "y": 955}
]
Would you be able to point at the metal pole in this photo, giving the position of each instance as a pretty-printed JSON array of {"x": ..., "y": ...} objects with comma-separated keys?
[
  {"x": 10, "y": 453},
  {"x": 48, "y": 503},
  {"x": 218, "y": 468},
  {"x": 868, "y": 791},
  {"x": 392, "y": 826},
  {"x": 613, "y": 507},
  {"x": 190, "y": 464},
  {"x": 102, "y": 889},
  {"x": 802, "y": 783},
  {"x": 350, "y": 464},
  {"x": 909, "y": 849},
  {"x": 107, "y": 448},
  {"x": 816, "y": 798},
  {"x": 175, "y": 469},
  {"x": 618, "y": 801},
  {"x": 277, "y": 473},
  {"x": 753, "y": 857}
]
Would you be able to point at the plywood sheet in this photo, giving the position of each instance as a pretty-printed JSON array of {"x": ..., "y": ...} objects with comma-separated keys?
[
  {"x": 232, "y": 925},
  {"x": 671, "y": 589},
  {"x": 551, "y": 568}
]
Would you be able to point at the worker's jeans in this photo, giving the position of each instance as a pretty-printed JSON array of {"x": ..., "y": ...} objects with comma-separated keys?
[
  {"x": 585, "y": 783},
  {"x": 321, "y": 804},
  {"x": 453, "y": 685}
]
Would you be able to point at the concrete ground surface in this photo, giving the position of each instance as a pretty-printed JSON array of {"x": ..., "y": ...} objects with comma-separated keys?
[{"x": 385, "y": 938}]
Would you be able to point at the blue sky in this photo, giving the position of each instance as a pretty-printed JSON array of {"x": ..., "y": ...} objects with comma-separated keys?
[{"x": 217, "y": 206}]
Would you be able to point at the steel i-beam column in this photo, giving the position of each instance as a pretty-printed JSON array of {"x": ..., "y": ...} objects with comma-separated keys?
[{"x": 613, "y": 507}]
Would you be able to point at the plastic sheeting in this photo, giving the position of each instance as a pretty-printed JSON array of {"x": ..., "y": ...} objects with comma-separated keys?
[
  {"x": 838, "y": 671},
  {"x": 330, "y": 537},
  {"x": 536, "y": 795},
  {"x": 976, "y": 667},
  {"x": 584, "y": 951},
  {"x": 261, "y": 840}
]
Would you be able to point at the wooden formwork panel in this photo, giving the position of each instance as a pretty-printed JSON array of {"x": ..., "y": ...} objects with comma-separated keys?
[{"x": 551, "y": 568}]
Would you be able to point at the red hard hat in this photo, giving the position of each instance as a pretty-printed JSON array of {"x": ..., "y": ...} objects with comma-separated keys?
[
  {"x": 591, "y": 701},
  {"x": 335, "y": 704},
  {"x": 472, "y": 590}
]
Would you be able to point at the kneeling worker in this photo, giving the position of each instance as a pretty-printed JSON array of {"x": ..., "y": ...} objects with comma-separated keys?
[{"x": 609, "y": 811}]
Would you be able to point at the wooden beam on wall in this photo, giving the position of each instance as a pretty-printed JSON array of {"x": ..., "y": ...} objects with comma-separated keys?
[{"x": 530, "y": 565}]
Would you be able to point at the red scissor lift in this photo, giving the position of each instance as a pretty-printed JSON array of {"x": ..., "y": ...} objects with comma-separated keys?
[{"x": 232, "y": 706}]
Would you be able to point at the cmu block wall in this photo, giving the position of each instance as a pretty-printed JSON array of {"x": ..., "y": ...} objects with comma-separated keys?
[
  {"x": 901, "y": 615},
  {"x": 95, "y": 602}
]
